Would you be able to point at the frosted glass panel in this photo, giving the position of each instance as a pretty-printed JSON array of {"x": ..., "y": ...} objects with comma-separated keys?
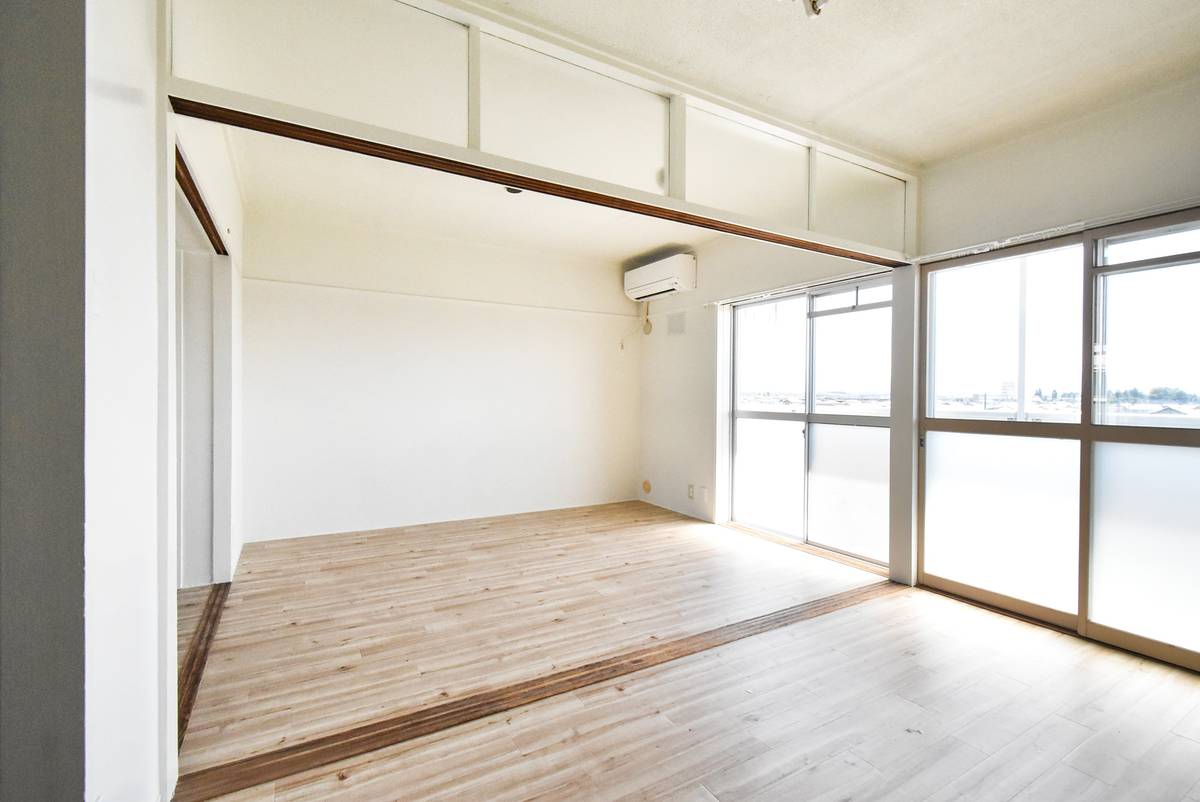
[
  {"x": 852, "y": 363},
  {"x": 1148, "y": 371},
  {"x": 375, "y": 61},
  {"x": 1002, "y": 514},
  {"x": 735, "y": 167},
  {"x": 1146, "y": 541},
  {"x": 768, "y": 479},
  {"x": 1005, "y": 338},
  {"x": 848, "y": 489},
  {"x": 857, "y": 203},
  {"x": 770, "y": 363},
  {"x": 542, "y": 110}
]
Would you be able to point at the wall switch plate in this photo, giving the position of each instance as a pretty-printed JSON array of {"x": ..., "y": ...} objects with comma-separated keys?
[{"x": 691, "y": 491}]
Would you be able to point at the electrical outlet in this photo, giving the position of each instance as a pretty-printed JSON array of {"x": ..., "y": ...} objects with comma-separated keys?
[{"x": 691, "y": 491}]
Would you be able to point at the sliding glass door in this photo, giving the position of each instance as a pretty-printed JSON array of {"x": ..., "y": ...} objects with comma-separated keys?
[
  {"x": 1145, "y": 455},
  {"x": 1001, "y": 446},
  {"x": 811, "y": 379},
  {"x": 1060, "y": 432}
]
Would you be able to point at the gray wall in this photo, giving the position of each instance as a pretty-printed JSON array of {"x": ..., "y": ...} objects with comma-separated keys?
[{"x": 41, "y": 400}]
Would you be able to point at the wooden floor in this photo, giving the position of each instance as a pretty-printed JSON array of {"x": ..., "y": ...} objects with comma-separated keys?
[
  {"x": 190, "y": 606},
  {"x": 905, "y": 696},
  {"x": 909, "y": 697},
  {"x": 322, "y": 634}
]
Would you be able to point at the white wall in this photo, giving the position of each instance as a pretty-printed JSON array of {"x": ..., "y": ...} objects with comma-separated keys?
[
  {"x": 1123, "y": 159},
  {"x": 121, "y": 302},
  {"x": 195, "y": 316},
  {"x": 226, "y": 418},
  {"x": 682, "y": 374},
  {"x": 367, "y": 407},
  {"x": 319, "y": 249}
]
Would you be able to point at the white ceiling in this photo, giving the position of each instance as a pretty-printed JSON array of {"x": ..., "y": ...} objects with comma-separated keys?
[
  {"x": 281, "y": 176},
  {"x": 914, "y": 80}
]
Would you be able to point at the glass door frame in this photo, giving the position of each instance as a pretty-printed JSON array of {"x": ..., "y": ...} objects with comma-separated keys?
[
  {"x": 808, "y": 417},
  {"x": 1086, "y": 432}
]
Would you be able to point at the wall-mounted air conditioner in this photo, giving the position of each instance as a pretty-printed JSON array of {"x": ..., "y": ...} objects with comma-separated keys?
[{"x": 667, "y": 276}]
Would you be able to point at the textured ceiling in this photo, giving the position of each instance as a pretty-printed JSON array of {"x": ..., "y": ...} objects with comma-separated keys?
[{"x": 914, "y": 80}]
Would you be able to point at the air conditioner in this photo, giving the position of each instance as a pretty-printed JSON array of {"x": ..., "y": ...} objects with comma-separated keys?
[{"x": 674, "y": 274}]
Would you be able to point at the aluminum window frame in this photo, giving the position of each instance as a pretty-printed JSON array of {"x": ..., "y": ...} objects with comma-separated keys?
[
  {"x": 1086, "y": 432},
  {"x": 928, "y": 366},
  {"x": 808, "y": 417}
]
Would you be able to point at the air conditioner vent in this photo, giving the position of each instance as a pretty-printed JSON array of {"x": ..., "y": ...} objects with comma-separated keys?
[{"x": 665, "y": 277}]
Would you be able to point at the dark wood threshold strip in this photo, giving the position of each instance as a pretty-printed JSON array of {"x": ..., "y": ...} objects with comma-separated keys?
[
  {"x": 315, "y": 136},
  {"x": 248, "y": 772},
  {"x": 192, "y": 668},
  {"x": 183, "y": 177}
]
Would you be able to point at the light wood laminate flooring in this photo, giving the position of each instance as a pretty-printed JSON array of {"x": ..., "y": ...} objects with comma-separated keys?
[
  {"x": 321, "y": 634},
  {"x": 908, "y": 697}
]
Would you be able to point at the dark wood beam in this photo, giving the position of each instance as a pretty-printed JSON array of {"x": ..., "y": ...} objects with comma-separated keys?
[
  {"x": 315, "y": 136},
  {"x": 183, "y": 176}
]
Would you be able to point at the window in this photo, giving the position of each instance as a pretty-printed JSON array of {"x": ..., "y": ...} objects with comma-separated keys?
[
  {"x": 1141, "y": 245},
  {"x": 1062, "y": 410},
  {"x": 848, "y": 488},
  {"x": 1147, "y": 370},
  {"x": 860, "y": 295},
  {"x": 852, "y": 362},
  {"x": 809, "y": 463},
  {"x": 769, "y": 475},
  {"x": 1002, "y": 514},
  {"x": 771, "y": 362},
  {"x": 1146, "y": 541},
  {"x": 1004, "y": 338}
]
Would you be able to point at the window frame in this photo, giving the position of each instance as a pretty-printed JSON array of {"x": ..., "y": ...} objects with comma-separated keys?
[
  {"x": 929, "y": 387},
  {"x": 808, "y": 417},
  {"x": 1087, "y": 432}
]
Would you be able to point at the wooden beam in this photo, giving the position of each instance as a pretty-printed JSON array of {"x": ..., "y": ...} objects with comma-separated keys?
[
  {"x": 315, "y": 136},
  {"x": 241, "y": 774},
  {"x": 192, "y": 667},
  {"x": 183, "y": 176}
]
